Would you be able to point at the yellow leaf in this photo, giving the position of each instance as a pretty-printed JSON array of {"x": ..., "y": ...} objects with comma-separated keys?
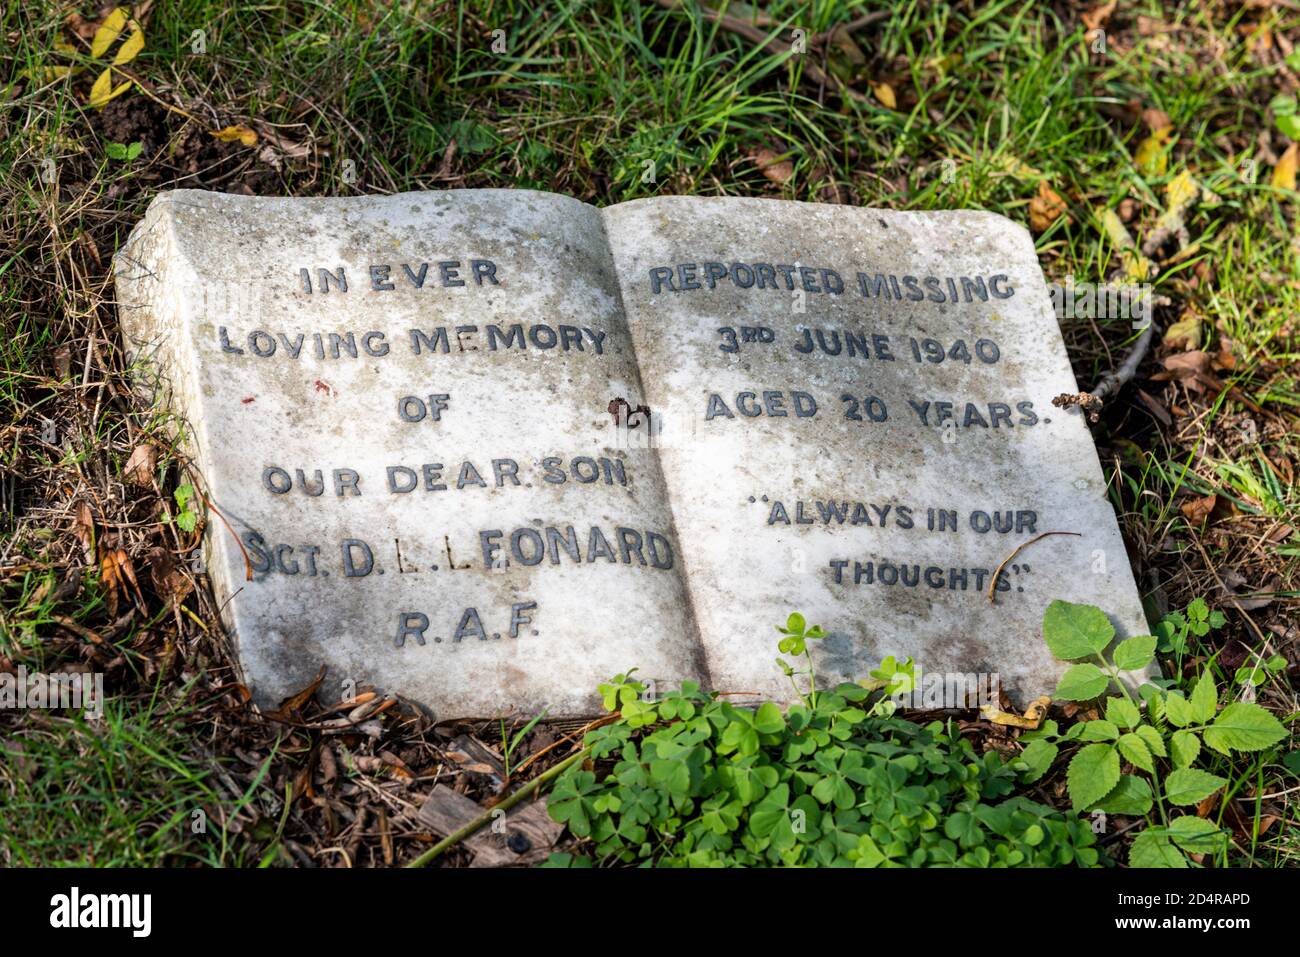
[
  {"x": 108, "y": 32},
  {"x": 99, "y": 93},
  {"x": 1152, "y": 156},
  {"x": 1185, "y": 333},
  {"x": 1017, "y": 168},
  {"x": 1114, "y": 227},
  {"x": 103, "y": 90},
  {"x": 1137, "y": 268},
  {"x": 133, "y": 45},
  {"x": 1032, "y": 718},
  {"x": 885, "y": 94},
  {"x": 1284, "y": 171},
  {"x": 232, "y": 133},
  {"x": 119, "y": 90},
  {"x": 1181, "y": 191},
  {"x": 942, "y": 64}
]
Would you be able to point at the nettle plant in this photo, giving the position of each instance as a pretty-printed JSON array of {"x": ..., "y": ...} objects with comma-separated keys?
[
  {"x": 835, "y": 780},
  {"x": 1147, "y": 756}
]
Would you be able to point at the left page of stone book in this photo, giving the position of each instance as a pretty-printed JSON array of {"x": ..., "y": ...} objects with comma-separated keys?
[{"x": 400, "y": 408}]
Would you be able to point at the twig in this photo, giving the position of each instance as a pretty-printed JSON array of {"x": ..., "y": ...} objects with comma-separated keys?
[
  {"x": 1265, "y": 797},
  {"x": 1020, "y": 548},
  {"x": 1115, "y": 380},
  {"x": 454, "y": 838},
  {"x": 1116, "y": 835},
  {"x": 852, "y": 26}
]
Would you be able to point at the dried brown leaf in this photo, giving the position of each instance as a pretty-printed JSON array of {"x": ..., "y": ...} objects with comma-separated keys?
[
  {"x": 79, "y": 25},
  {"x": 1096, "y": 17},
  {"x": 290, "y": 707},
  {"x": 1259, "y": 38},
  {"x": 140, "y": 466},
  {"x": 1197, "y": 510},
  {"x": 778, "y": 170},
  {"x": 83, "y": 526},
  {"x": 1045, "y": 208},
  {"x": 169, "y": 581},
  {"x": 1185, "y": 365},
  {"x": 1155, "y": 408},
  {"x": 116, "y": 573},
  {"x": 1156, "y": 120}
]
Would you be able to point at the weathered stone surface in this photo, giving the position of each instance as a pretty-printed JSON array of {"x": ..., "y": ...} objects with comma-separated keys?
[
  {"x": 201, "y": 263},
  {"x": 546, "y": 547},
  {"x": 765, "y": 503}
]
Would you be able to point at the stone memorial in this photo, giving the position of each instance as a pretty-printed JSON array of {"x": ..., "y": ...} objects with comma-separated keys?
[{"x": 487, "y": 448}]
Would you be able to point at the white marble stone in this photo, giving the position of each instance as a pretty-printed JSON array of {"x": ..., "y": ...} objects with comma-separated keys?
[
  {"x": 563, "y": 549},
  {"x": 202, "y": 262},
  {"x": 749, "y": 562}
]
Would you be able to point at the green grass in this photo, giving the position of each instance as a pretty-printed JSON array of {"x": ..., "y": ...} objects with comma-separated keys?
[
  {"x": 126, "y": 790},
  {"x": 1001, "y": 96}
]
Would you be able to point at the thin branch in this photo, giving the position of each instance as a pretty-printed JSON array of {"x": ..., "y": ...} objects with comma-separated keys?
[
  {"x": 1116, "y": 379},
  {"x": 1020, "y": 548}
]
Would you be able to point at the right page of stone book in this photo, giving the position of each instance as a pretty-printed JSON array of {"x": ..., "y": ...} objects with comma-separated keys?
[{"x": 855, "y": 421}]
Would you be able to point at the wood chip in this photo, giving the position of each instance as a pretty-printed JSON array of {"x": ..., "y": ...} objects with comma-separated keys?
[
  {"x": 523, "y": 836},
  {"x": 474, "y": 757}
]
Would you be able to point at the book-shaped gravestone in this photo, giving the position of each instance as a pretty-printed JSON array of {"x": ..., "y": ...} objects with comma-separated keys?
[{"x": 487, "y": 448}]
